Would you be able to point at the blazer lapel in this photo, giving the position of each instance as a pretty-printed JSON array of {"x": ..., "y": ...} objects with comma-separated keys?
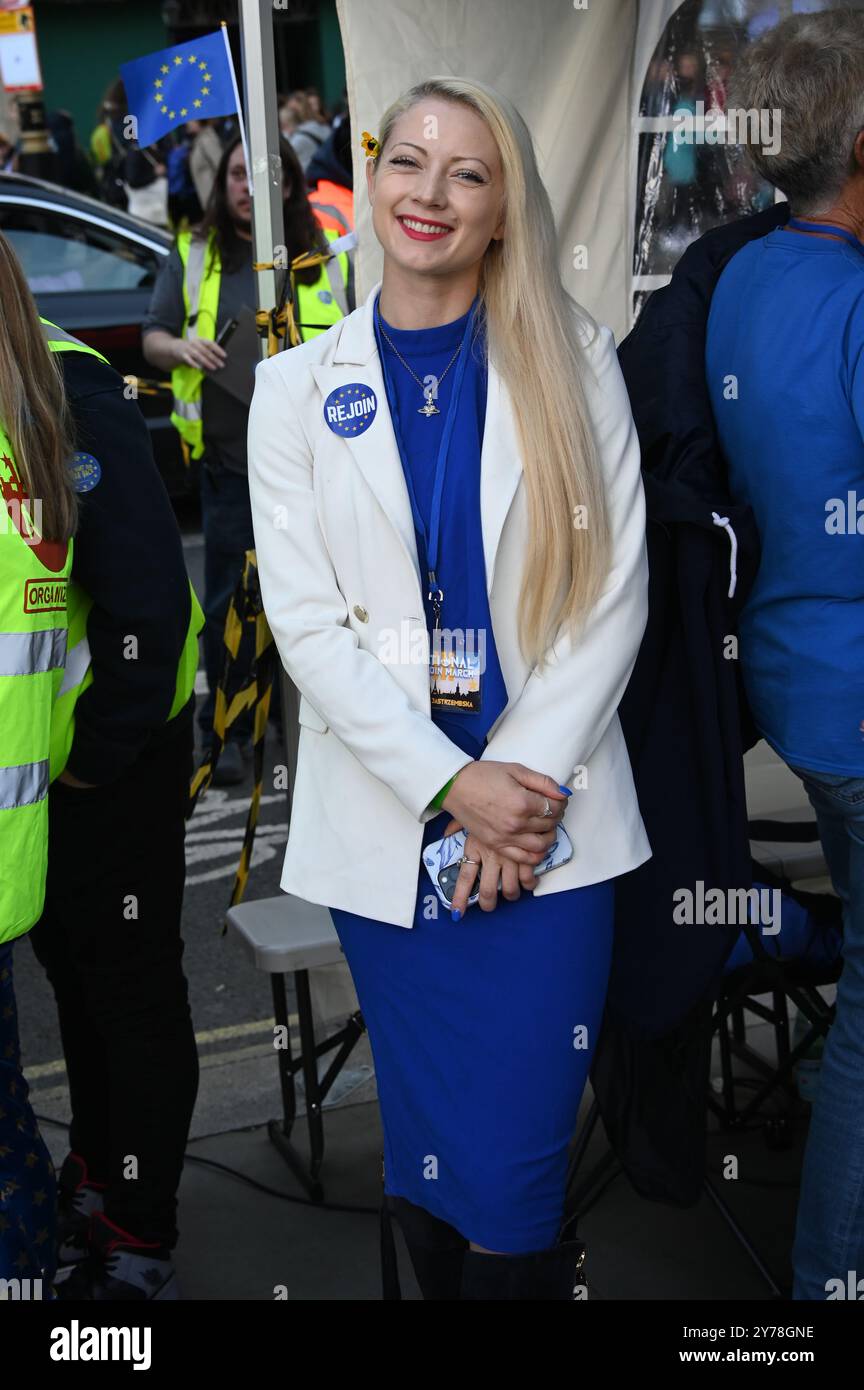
[
  {"x": 500, "y": 468},
  {"x": 375, "y": 451}
]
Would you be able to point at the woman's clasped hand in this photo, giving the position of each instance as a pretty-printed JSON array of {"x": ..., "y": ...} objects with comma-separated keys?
[{"x": 502, "y": 807}]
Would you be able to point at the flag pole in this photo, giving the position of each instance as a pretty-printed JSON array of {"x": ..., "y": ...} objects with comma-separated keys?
[
  {"x": 268, "y": 236},
  {"x": 240, "y": 121},
  {"x": 268, "y": 205}
]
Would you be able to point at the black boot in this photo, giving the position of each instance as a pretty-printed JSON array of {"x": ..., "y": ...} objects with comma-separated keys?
[
  {"x": 437, "y": 1250},
  {"x": 554, "y": 1274}
]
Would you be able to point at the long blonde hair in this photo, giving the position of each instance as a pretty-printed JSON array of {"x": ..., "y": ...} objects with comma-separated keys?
[
  {"x": 533, "y": 337},
  {"x": 33, "y": 408}
]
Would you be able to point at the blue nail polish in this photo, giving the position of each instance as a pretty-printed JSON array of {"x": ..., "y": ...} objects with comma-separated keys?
[
  {"x": 455, "y": 914},
  {"x": 566, "y": 791}
]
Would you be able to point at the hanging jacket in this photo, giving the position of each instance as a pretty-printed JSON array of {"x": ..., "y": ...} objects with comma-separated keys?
[{"x": 687, "y": 726}]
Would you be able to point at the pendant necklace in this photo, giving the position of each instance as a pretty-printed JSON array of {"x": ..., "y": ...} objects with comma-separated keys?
[{"x": 430, "y": 408}]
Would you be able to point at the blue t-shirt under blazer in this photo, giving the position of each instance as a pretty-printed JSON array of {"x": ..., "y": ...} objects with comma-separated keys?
[{"x": 785, "y": 371}]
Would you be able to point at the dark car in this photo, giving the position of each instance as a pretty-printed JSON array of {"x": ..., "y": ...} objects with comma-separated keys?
[{"x": 91, "y": 269}]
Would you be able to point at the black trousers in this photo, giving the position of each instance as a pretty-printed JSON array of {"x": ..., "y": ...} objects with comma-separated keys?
[{"x": 109, "y": 939}]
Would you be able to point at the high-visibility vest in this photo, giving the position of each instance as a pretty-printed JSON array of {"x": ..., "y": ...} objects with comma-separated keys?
[
  {"x": 318, "y": 306},
  {"x": 78, "y": 673},
  {"x": 328, "y": 194},
  {"x": 34, "y": 578}
]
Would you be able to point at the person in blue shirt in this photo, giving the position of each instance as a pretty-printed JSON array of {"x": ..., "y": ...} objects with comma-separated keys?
[{"x": 785, "y": 370}]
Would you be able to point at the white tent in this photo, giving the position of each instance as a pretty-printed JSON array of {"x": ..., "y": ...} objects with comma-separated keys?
[{"x": 575, "y": 70}]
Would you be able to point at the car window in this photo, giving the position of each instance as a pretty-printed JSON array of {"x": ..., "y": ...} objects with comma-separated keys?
[{"x": 61, "y": 252}]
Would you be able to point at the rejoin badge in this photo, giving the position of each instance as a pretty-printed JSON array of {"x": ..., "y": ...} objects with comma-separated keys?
[{"x": 350, "y": 409}]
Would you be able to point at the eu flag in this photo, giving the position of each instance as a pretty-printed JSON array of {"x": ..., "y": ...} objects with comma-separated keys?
[{"x": 188, "y": 82}]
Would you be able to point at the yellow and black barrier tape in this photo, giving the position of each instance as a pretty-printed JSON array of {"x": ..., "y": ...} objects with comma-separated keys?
[{"x": 239, "y": 690}]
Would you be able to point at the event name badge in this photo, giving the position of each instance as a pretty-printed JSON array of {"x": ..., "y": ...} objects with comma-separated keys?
[{"x": 455, "y": 672}]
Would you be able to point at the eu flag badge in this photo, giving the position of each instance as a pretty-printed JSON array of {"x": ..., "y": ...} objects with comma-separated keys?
[{"x": 188, "y": 82}]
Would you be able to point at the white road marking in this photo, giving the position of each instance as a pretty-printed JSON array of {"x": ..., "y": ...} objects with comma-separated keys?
[
  {"x": 207, "y": 1035},
  {"x": 206, "y": 843}
]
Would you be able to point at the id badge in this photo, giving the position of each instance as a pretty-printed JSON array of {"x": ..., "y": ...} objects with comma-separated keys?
[{"x": 454, "y": 674}]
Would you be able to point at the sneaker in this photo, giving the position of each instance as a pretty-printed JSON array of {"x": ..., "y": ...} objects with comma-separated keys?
[
  {"x": 77, "y": 1199},
  {"x": 119, "y": 1267},
  {"x": 230, "y": 768}
]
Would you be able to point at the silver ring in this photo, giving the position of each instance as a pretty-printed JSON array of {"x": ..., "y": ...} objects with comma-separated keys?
[
  {"x": 547, "y": 811},
  {"x": 463, "y": 860}
]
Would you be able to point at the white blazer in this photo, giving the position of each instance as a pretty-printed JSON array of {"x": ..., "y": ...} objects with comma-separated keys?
[{"x": 341, "y": 588}]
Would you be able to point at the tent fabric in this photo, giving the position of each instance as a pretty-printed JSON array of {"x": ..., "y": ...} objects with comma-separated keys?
[{"x": 567, "y": 70}]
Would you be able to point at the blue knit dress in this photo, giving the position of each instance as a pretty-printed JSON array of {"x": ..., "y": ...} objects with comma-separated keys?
[{"x": 482, "y": 1031}]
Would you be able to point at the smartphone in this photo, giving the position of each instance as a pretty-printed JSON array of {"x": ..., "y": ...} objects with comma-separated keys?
[
  {"x": 225, "y": 332},
  {"x": 441, "y": 861}
]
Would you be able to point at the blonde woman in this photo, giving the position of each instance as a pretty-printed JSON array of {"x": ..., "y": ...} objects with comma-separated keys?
[{"x": 448, "y": 480}]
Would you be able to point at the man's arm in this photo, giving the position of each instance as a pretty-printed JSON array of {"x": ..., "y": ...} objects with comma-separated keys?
[{"x": 161, "y": 329}]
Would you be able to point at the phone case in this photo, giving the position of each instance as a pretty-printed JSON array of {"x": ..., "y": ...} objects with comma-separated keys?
[{"x": 441, "y": 860}]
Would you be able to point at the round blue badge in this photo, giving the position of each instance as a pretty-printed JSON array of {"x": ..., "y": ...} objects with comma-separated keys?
[
  {"x": 325, "y": 296},
  {"x": 349, "y": 410},
  {"x": 86, "y": 472}
]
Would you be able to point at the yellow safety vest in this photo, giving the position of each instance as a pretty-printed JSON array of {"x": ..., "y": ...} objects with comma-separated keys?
[
  {"x": 78, "y": 674},
  {"x": 321, "y": 305},
  {"x": 34, "y": 577}
]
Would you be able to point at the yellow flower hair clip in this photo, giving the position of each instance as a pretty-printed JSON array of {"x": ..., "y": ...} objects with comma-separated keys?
[{"x": 370, "y": 145}]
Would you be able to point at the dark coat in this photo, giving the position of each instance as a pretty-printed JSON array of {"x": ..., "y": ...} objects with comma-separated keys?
[{"x": 687, "y": 727}]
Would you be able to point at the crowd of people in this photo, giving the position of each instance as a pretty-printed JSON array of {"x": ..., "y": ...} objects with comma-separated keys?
[
  {"x": 470, "y": 834},
  {"x": 169, "y": 183}
]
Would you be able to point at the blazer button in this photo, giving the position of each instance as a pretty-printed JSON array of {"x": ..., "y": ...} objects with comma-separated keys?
[{"x": 360, "y": 612}]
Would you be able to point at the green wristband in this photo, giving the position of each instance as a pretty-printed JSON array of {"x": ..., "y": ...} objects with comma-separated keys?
[{"x": 438, "y": 799}]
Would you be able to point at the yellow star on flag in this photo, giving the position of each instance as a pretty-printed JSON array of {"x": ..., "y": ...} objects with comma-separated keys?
[
  {"x": 202, "y": 66},
  {"x": 158, "y": 82},
  {"x": 196, "y": 102},
  {"x": 178, "y": 61},
  {"x": 183, "y": 111},
  {"x": 164, "y": 68},
  {"x": 171, "y": 115},
  {"x": 205, "y": 91},
  {"x": 191, "y": 58},
  {"x": 164, "y": 110}
]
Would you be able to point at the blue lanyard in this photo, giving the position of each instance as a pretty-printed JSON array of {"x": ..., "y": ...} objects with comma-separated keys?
[
  {"x": 826, "y": 227},
  {"x": 431, "y": 539}
]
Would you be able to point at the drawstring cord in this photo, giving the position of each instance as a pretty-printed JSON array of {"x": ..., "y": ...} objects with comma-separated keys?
[{"x": 733, "y": 554}]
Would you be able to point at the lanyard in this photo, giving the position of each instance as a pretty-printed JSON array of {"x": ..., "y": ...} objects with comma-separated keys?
[
  {"x": 431, "y": 539},
  {"x": 843, "y": 232}
]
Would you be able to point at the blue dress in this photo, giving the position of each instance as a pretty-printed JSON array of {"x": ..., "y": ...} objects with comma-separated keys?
[{"x": 482, "y": 1031}]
